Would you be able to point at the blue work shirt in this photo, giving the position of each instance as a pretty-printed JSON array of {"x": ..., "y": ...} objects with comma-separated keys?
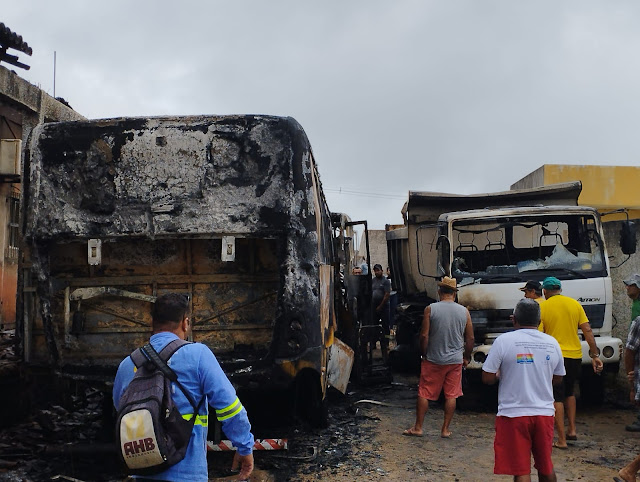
[{"x": 200, "y": 374}]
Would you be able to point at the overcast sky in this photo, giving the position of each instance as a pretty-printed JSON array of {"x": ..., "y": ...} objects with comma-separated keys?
[{"x": 449, "y": 96}]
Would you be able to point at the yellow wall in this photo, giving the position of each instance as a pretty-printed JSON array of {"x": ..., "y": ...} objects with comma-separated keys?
[{"x": 604, "y": 187}]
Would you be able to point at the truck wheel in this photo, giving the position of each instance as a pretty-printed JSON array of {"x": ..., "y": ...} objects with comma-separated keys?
[
  {"x": 310, "y": 405},
  {"x": 591, "y": 387}
]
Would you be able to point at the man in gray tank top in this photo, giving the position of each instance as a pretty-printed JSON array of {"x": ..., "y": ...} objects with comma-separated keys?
[{"x": 446, "y": 342}]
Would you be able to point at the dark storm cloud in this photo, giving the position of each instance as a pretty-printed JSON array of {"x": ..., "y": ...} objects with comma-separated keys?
[{"x": 427, "y": 95}]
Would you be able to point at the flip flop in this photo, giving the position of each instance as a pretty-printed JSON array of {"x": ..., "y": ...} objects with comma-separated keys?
[
  {"x": 409, "y": 433},
  {"x": 555, "y": 445},
  {"x": 618, "y": 479},
  {"x": 572, "y": 437}
]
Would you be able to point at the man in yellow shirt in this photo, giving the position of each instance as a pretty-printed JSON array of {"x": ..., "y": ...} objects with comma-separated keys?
[{"x": 561, "y": 317}]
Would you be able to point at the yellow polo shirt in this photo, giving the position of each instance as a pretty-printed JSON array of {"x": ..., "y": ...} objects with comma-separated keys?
[{"x": 560, "y": 317}]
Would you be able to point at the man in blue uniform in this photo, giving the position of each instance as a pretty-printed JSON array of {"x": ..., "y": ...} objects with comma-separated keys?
[{"x": 200, "y": 373}]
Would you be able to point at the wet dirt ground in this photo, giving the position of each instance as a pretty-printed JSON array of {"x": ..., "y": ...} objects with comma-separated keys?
[
  {"x": 363, "y": 442},
  {"x": 603, "y": 446}
]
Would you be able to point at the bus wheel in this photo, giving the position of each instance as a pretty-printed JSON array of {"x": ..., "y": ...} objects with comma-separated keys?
[{"x": 310, "y": 404}]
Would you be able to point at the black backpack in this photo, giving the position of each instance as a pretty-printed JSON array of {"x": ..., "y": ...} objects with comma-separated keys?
[{"x": 150, "y": 432}]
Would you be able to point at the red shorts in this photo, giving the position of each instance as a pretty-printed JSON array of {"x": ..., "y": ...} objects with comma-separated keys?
[
  {"x": 519, "y": 437},
  {"x": 433, "y": 378}
]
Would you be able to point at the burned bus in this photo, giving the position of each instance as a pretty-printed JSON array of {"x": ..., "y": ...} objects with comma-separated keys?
[{"x": 226, "y": 209}]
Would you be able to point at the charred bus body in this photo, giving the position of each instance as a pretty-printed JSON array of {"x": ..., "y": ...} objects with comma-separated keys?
[{"x": 228, "y": 210}]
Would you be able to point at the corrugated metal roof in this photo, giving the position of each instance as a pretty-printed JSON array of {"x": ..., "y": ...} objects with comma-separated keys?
[{"x": 11, "y": 40}]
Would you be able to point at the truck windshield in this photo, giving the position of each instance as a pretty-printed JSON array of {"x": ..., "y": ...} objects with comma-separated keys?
[{"x": 523, "y": 247}]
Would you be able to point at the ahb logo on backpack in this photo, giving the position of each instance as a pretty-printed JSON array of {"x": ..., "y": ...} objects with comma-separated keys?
[
  {"x": 139, "y": 444},
  {"x": 151, "y": 433}
]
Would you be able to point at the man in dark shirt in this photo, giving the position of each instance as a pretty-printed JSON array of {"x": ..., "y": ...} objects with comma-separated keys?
[{"x": 381, "y": 291}]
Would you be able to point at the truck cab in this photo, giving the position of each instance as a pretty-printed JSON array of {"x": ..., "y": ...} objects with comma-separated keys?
[
  {"x": 492, "y": 244},
  {"x": 493, "y": 252}
]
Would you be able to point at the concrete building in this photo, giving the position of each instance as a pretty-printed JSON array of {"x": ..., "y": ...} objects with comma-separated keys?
[
  {"x": 22, "y": 107},
  {"x": 377, "y": 248},
  {"x": 607, "y": 188}
]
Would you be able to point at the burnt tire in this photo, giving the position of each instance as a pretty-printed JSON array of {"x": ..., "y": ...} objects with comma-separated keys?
[{"x": 310, "y": 404}]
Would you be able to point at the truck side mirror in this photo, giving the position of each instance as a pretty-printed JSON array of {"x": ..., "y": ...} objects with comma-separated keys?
[{"x": 628, "y": 237}]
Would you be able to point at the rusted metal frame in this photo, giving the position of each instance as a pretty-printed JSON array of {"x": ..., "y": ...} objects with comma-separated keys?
[
  {"x": 28, "y": 310},
  {"x": 41, "y": 265},
  {"x": 67, "y": 317},
  {"x": 196, "y": 327},
  {"x": 109, "y": 312},
  {"x": 252, "y": 326},
  {"x": 107, "y": 380},
  {"x": 88, "y": 293},
  {"x": 146, "y": 329},
  {"x": 236, "y": 307},
  {"x": 252, "y": 256},
  {"x": 93, "y": 292},
  {"x": 188, "y": 255},
  {"x": 166, "y": 279},
  {"x": 110, "y": 330}
]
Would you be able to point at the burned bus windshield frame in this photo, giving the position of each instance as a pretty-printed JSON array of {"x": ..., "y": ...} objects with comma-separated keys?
[{"x": 517, "y": 248}]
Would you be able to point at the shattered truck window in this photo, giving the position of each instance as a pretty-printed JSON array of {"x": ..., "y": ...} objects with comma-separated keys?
[{"x": 513, "y": 248}]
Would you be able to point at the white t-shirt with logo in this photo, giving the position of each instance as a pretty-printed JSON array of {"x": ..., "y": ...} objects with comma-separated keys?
[{"x": 527, "y": 360}]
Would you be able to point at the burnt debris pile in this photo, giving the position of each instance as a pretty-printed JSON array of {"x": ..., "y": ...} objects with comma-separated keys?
[
  {"x": 60, "y": 441},
  {"x": 8, "y": 358}
]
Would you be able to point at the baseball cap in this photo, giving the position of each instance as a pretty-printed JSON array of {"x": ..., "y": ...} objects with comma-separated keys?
[
  {"x": 551, "y": 283},
  {"x": 634, "y": 279},
  {"x": 377, "y": 266},
  {"x": 531, "y": 285}
]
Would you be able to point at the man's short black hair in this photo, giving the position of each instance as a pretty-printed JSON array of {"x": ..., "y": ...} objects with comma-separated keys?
[
  {"x": 527, "y": 312},
  {"x": 170, "y": 308}
]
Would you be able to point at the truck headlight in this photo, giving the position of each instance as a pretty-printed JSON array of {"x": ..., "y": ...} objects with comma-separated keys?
[
  {"x": 479, "y": 357},
  {"x": 607, "y": 351}
]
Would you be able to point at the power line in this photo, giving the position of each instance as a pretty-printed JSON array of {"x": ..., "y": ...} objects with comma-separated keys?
[{"x": 350, "y": 192}]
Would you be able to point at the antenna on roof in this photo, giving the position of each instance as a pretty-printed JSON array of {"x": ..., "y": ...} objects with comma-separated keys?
[{"x": 54, "y": 74}]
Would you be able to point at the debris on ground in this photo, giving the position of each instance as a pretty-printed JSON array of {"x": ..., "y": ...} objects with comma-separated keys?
[
  {"x": 362, "y": 442},
  {"x": 8, "y": 357}
]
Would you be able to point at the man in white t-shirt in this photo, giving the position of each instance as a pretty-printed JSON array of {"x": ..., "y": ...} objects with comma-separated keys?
[{"x": 527, "y": 363}]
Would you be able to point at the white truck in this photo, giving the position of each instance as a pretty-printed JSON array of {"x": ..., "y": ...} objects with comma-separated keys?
[{"x": 515, "y": 236}]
